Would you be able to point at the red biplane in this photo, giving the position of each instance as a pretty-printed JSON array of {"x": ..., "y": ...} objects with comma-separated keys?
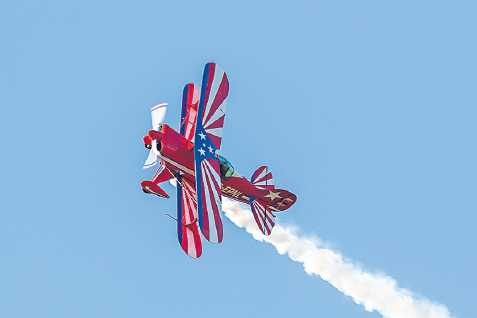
[{"x": 191, "y": 157}]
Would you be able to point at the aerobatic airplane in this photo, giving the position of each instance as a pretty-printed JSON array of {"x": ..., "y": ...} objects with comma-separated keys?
[{"x": 191, "y": 157}]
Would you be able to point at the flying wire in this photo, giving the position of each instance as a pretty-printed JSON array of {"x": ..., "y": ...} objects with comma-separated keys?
[{"x": 171, "y": 216}]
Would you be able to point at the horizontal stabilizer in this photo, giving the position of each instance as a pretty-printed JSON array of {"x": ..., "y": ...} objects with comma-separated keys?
[
  {"x": 262, "y": 178},
  {"x": 263, "y": 217},
  {"x": 207, "y": 141}
]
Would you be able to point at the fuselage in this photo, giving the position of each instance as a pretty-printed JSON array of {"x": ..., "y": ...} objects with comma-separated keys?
[{"x": 178, "y": 156}]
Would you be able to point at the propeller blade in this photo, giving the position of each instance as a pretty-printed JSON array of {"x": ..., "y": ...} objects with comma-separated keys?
[
  {"x": 158, "y": 113},
  {"x": 151, "y": 160}
]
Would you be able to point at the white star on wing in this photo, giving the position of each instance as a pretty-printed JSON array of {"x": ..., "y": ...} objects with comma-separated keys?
[
  {"x": 273, "y": 195},
  {"x": 201, "y": 135},
  {"x": 202, "y": 151},
  {"x": 211, "y": 149}
]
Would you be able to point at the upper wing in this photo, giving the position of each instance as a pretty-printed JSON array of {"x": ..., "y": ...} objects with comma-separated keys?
[
  {"x": 187, "y": 229},
  {"x": 209, "y": 199},
  {"x": 215, "y": 89},
  {"x": 190, "y": 101},
  {"x": 208, "y": 137}
]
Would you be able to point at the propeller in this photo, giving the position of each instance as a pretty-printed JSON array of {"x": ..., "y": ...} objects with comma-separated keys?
[{"x": 158, "y": 113}]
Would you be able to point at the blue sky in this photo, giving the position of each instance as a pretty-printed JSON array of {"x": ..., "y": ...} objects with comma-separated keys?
[{"x": 365, "y": 110}]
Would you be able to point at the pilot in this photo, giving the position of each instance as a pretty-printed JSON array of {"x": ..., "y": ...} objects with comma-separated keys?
[{"x": 226, "y": 168}]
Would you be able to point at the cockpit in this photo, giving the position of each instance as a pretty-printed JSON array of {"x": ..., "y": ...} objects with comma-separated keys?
[{"x": 226, "y": 168}]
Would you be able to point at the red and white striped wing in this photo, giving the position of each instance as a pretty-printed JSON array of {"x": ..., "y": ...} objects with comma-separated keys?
[
  {"x": 209, "y": 198},
  {"x": 208, "y": 137},
  {"x": 215, "y": 89},
  {"x": 190, "y": 103},
  {"x": 263, "y": 217},
  {"x": 263, "y": 178},
  {"x": 187, "y": 229}
]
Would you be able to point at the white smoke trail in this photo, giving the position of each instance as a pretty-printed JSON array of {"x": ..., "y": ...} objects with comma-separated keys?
[{"x": 374, "y": 291}]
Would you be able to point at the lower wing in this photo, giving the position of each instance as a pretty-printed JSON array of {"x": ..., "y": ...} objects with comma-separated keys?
[{"x": 187, "y": 229}]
